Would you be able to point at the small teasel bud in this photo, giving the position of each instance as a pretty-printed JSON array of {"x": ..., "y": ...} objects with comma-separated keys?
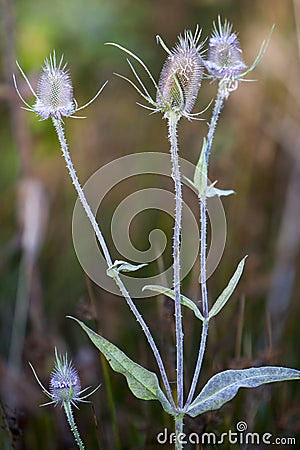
[
  {"x": 224, "y": 53},
  {"x": 54, "y": 96},
  {"x": 65, "y": 384},
  {"x": 65, "y": 389},
  {"x": 181, "y": 75}
]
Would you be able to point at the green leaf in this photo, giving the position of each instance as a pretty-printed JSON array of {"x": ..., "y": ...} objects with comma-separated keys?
[
  {"x": 200, "y": 175},
  {"x": 190, "y": 182},
  {"x": 185, "y": 301},
  {"x": 226, "y": 294},
  {"x": 142, "y": 383},
  {"x": 122, "y": 266},
  {"x": 221, "y": 388},
  {"x": 212, "y": 191}
]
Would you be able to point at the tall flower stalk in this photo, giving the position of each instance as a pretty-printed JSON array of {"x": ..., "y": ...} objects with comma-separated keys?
[
  {"x": 172, "y": 123},
  {"x": 176, "y": 94},
  {"x": 178, "y": 86},
  {"x": 225, "y": 64}
]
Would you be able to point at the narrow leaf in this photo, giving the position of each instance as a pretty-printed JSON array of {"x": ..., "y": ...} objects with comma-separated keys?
[
  {"x": 191, "y": 183},
  {"x": 263, "y": 48},
  {"x": 122, "y": 266},
  {"x": 212, "y": 191},
  {"x": 142, "y": 383},
  {"x": 185, "y": 301},
  {"x": 136, "y": 58},
  {"x": 200, "y": 175},
  {"x": 226, "y": 294},
  {"x": 221, "y": 388},
  {"x": 127, "y": 267}
]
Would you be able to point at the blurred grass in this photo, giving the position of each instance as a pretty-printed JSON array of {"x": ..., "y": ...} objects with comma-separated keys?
[{"x": 256, "y": 152}]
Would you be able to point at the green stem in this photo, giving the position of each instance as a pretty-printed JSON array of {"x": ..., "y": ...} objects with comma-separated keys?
[
  {"x": 70, "y": 417},
  {"x": 199, "y": 363},
  {"x": 214, "y": 120},
  {"x": 178, "y": 432},
  {"x": 172, "y": 122}
]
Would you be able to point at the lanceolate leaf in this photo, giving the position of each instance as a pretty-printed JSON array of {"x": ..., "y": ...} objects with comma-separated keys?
[
  {"x": 226, "y": 294},
  {"x": 185, "y": 301},
  {"x": 122, "y": 266},
  {"x": 200, "y": 175},
  {"x": 222, "y": 387},
  {"x": 212, "y": 191},
  {"x": 142, "y": 383}
]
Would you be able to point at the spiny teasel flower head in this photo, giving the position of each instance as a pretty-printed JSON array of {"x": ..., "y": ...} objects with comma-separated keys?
[
  {"x": 180, "y": 78},
  {"x": 181, "y": 75},
  {"x": 64, "y": 386},
  {"x": 54, "y": 96},
  {"x": 224, "y": 53},
  {"x": 54, "y": 91},
  {"x": 64, "y": 381}
]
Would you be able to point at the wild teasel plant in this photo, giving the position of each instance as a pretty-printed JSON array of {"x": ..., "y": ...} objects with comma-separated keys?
[{"x": 175, "y": 96}]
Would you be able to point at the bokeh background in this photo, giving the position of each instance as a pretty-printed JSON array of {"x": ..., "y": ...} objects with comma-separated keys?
[{"x": 256, "y": 152}]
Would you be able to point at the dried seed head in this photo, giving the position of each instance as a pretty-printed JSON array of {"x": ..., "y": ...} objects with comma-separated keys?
[
  {"x": 224, "y": 53},
  {"x": 54, "y": 91},
  {"x": 64, "y": 382},
  {"x": 181, "y": 75}
]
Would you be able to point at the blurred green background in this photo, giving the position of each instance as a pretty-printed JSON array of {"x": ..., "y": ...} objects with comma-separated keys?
[{"x": 256, "y": 152}]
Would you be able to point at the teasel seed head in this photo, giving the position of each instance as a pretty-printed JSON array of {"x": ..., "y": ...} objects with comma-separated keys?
[
  {"x": 224, "y": 53},
  {"x": 54, "y": 91},
  {"x": 181, "y": 75},
  {"x": 54, "y": 95}
]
